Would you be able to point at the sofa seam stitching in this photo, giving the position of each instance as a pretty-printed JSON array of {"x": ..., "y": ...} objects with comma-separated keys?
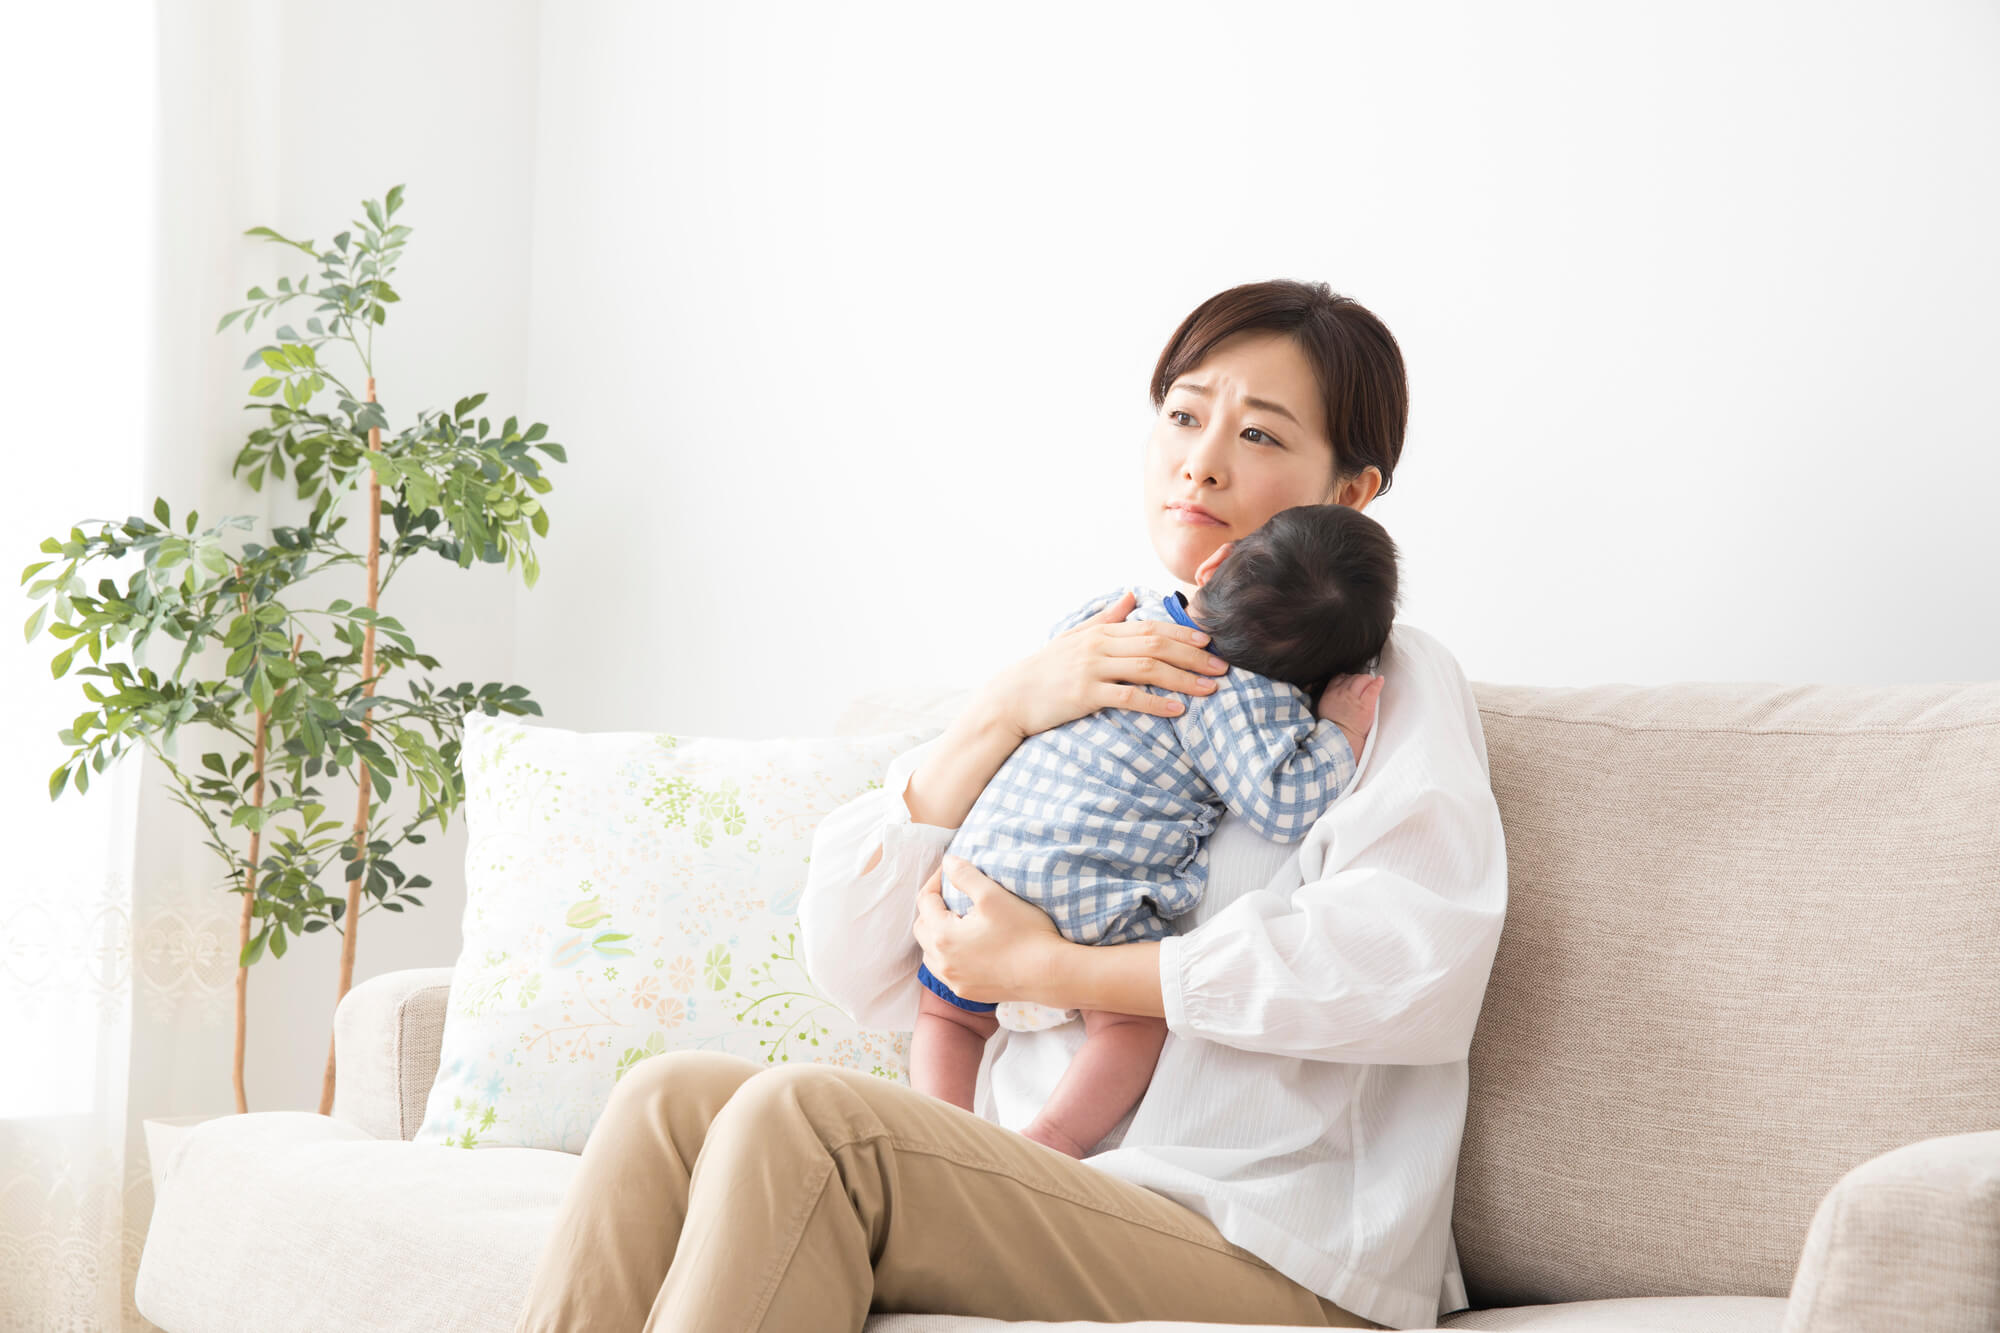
[
  {"x": 1886, "y": 729},
  {"x": 402, "y": 1133}
]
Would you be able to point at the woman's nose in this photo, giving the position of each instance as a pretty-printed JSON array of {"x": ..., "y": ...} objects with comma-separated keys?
[{"x": 1205, "y": 459}]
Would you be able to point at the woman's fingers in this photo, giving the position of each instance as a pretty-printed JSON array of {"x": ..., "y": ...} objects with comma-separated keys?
[
  {"x": 1119, "y": 609},
  {"x": 930, "y": 898},
  {"x": 1155, "y": 654}
]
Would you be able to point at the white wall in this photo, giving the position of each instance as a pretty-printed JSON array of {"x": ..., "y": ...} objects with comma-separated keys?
[
  {"x": 845, "y": 314},
  {"x": 848, "y": 313}
]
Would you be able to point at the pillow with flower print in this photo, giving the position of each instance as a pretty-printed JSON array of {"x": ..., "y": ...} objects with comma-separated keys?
[{"x": 629, "y": 893}]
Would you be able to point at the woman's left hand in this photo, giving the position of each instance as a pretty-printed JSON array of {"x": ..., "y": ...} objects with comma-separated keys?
[{"x": 999, "y": 950}]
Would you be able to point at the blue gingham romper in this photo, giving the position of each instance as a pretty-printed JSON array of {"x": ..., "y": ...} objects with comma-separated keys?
[{"x": 1103, "y": 821}]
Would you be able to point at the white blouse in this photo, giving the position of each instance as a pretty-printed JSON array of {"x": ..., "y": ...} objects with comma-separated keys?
[{"x": 1320, "y": 1001}]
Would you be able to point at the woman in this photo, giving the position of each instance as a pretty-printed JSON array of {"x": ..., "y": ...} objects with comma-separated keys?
[{"x": 1292, "y": 1161}]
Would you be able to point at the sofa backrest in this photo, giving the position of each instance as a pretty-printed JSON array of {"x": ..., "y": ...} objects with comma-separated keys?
[{"x": 1752, "y": 940}]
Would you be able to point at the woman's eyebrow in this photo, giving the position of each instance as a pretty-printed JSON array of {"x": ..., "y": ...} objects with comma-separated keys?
[{"x": 1202, "y": 391}]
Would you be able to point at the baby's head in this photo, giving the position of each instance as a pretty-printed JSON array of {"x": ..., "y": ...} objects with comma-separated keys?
[{"x": 1307, "y": 597}]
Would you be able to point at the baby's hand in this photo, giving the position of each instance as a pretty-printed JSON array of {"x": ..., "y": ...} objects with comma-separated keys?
[{"x": 1349, "y": 703}]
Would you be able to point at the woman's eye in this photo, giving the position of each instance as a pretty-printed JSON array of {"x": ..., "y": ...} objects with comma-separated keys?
[{"x": 1176, "y": 412}]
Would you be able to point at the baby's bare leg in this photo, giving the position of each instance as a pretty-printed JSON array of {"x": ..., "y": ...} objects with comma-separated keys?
[
  {"x": 946, "y": 1047},
  {"x": 1106, "y": 1079}
]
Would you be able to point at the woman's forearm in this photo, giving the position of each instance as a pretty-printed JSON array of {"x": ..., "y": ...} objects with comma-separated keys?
[
  {"x": 1118, "y": 978},
  {"x": 956, "y": 768}
]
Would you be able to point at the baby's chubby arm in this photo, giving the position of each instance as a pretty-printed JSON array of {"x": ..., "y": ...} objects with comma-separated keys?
[
  {"x": 1268, "y": 756},
  {"x": 1349, "y": 703}
]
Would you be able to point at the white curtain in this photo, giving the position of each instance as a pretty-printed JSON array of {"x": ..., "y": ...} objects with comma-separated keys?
[{"x": 117, "y": 941}]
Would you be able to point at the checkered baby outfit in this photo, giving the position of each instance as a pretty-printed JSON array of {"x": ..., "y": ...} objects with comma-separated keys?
[{"x": 1103, "y": 821}]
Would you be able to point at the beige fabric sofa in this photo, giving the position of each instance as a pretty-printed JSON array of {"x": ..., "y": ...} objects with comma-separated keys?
[{"x": 1738, "y": 1065}]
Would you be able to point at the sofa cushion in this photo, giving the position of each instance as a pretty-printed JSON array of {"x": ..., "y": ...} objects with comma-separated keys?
[
  {"x": 630, "y": 893},
  {"x": 293, "y": 1220},
  {"x": 1752, "y": 941},
  {"x": 280, "y": 1220}
]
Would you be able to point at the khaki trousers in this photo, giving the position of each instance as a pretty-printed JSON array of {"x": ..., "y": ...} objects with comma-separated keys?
[{"x": 717, "y": 1193}]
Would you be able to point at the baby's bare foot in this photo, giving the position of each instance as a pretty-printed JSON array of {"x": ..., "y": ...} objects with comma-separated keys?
[{"x": 1050, "y": 1137}]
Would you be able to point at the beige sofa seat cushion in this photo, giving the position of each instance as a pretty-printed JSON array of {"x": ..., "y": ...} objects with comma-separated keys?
[
  {"x": 1752, "y": 941},
  {"x": 294, "y": 1220},
  {"x": 1661, "y": 1314}
]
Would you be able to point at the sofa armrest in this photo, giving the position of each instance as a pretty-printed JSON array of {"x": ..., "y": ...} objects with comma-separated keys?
[
  {"x": 388, "y": 1032},
  {"x": 1910, "y": 1239}
]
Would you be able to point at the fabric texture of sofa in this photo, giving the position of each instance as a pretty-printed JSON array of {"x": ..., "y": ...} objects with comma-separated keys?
[{"x": 1737, "y": 1067}]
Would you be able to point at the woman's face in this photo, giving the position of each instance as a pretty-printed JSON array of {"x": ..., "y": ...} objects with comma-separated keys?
[{"x": 1243, "y": 435}]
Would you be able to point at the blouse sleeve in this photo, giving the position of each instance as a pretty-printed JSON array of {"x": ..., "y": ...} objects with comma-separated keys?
[
  {"x": 1379, "y": 948},
  {"x": 856, "y": 928}
]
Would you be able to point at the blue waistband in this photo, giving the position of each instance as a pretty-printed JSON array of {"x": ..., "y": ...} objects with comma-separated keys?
[{"x": 1174, "y": 603}]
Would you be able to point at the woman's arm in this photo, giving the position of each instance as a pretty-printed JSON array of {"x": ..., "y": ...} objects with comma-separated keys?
[
  {"x": 1119, "y": 978},
  {"x": 945, "y": 787},
  {"x": 854, "y": 920},
  {"x": 857, "y": 916},
  {"x": 1379, "y": 955},
  {"x": 955, "y": 768}
]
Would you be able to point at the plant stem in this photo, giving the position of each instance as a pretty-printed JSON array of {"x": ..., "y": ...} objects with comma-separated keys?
[{"x": 354, "y": 886}]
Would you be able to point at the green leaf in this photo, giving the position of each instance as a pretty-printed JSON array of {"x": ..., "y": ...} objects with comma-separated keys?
[
  {"x": 255, "y": 950},
  {"x": 61, "y": 663},
  {"x": 34, "y": 625},
  {"x": 265, "y": 386},
  {"x": 554, "y": 451},
  {"x": 57, "y": 781},
  {"x": 160, "y": 512}
]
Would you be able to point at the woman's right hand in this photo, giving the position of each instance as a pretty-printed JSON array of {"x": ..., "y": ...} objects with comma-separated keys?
[{"x": 1101, "y": 664}]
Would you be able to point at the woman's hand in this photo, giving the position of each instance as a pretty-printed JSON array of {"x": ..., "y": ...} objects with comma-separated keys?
[
  {"x": 1101, "y": 664},
  {"x": 999, "y": 950}
]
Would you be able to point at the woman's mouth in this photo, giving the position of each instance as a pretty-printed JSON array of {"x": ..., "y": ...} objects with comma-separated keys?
[{"x": 1194, "y": 515}]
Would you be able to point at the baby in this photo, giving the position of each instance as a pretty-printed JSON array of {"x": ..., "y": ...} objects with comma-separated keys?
[{"x": 1103, "y": 822}]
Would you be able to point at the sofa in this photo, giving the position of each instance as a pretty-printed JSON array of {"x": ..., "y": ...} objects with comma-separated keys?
[{"x": 1737, "y": 1069}]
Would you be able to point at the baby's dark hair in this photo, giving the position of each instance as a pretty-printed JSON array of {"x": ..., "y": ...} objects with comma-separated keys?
[{"x": 1307, "y": 597}]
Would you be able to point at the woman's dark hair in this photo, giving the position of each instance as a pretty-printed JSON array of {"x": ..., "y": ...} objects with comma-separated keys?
[
  {"x": 1308, "y": 596},
  {"x": 1363, "y": 388}
]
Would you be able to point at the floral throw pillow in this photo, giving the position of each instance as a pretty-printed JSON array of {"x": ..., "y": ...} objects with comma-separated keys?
[{"x": 630, "y": 893}]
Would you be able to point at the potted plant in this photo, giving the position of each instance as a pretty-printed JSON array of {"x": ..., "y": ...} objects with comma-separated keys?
[{"x": 298, "y": 691}]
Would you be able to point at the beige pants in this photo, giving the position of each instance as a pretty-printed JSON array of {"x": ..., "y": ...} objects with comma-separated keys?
[{"x": 717, "y": 1193}]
